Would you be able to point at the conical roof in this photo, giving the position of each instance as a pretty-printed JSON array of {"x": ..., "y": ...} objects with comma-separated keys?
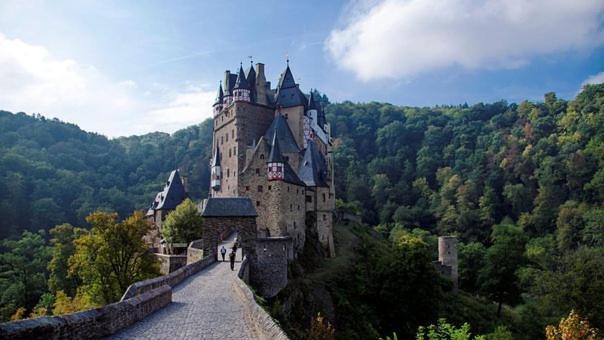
[
  {"x": 288, "y": 94},
  {"x": 241, "y": 82},
  {"x": 312, "y": 101},
  {"x": 216, "y": 159},
  {"x": 275, "y": 156},
  {"x": 219, "y": 95}
]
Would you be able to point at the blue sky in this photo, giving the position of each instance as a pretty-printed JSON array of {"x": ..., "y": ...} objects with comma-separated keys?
[{"x": 131, "y": 67}]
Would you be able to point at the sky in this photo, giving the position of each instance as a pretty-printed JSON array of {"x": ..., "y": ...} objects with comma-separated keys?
[{"x": 132, "y": 67}]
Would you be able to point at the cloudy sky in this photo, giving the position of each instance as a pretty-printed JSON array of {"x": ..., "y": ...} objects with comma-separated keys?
[{"x": 131, "y": 67}]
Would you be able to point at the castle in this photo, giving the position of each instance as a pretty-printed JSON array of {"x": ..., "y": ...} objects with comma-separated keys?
[{"x": 274, "y": 146}]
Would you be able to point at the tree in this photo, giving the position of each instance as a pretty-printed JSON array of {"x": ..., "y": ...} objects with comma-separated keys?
[
  {"x": 111, "y": 256},
  {"x": 573, "y": 327},
  {"x": 62, "y": 249},
  {"x": 444, "y": 331},
  {"x": 184, "y": 224},
  {"x": 22, "y": 273},
  {"x": 471, "y": 261},
  {"x": 503, "y": 258}
]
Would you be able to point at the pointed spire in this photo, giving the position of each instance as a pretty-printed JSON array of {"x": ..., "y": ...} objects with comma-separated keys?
[
  {"x": 216, "y": 159},
  {"x": 220, "y": 94},
  {"x": 275, "y": 156},
  {"x": 241, "y": 82},
  {"x": 287, "y": 79},
  {"x": 312, "y": 102}
]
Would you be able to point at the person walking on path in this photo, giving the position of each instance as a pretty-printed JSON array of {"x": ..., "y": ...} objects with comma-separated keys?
[
  {"x": 223, "y": 252},
  {"x": 232, "y": 258}
]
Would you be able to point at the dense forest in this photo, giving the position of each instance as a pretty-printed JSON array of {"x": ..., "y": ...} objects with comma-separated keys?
[
  {"x": 52, "y": 172},
  {"x": 521, "y": 185}
]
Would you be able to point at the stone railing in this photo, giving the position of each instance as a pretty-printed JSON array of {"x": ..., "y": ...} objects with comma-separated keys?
[
  {"x": 195, "y": 251},
  {"x": 169, "y": 263},
  {"x": 171, "y": 279},
  {"x": 266, "y": 327},
  {"x": 90, "y": 324}
]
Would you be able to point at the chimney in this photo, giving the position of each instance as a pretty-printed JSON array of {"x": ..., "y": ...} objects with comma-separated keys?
[{"x": 260, "y": 85}]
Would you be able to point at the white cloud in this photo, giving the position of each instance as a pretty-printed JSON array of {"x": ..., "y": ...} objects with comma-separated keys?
[
  {"x": 594, "y": 79},
  {"x": 403, "y": 38},
  {"x": 32, "y": 80}
]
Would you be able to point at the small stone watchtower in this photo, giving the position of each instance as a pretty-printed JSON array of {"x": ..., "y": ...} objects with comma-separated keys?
[{"x": 447, "y": 258}]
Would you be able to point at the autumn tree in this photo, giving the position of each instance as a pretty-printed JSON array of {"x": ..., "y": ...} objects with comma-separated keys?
[
  {"x": 62, "y": 249},
  {"x": 111, "y": 256},
  {"x": 573, "y": 327}
]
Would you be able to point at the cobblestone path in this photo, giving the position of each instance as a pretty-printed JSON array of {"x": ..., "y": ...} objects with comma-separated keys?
[{"x": 204, "y": 306}]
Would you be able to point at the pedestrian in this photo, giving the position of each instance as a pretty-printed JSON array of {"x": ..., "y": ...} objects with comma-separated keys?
[
  {"x": 232, "y": 258},
  {"x": 223, "y": 252}
]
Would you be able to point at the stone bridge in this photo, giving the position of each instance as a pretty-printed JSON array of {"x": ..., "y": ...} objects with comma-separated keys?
[{"x": 211, "y": 304}]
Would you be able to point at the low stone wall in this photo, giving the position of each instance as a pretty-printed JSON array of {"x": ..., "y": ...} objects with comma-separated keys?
[
  {"x": 170, "y": 263},
  {"x": 267, "y": 328},
  {"x": 90, "y": 324},
  {"x": 171, "y": 279},
  {"x": 195, "y": 251}
]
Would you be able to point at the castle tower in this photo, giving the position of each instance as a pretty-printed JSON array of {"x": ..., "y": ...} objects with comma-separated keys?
[
  {"x": 275, "y": 164},
  {"x": 228, "y": 86},
  {"x": 216, "y": 172},
  {"x": 261, "y": 85},
  {"x": 218, "y": 104},
  {"x": 241, "y": 90},
  {"x": 447, "y": 256}
]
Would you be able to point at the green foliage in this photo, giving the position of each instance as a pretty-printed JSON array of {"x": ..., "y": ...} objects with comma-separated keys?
[
  {"x": 503, "y": 259},
  {"x": 184, "y": 224},
  {"x": 62, "y": 249},
  {"x": 111, "y": 256},
  {"x": 445, "y": 331},
  {"x": 52, "y": 172},
  {"x": 22, "y": 273}
]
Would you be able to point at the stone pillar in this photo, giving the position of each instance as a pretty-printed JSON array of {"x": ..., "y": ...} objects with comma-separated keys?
[{"x": 447, "y": 256}]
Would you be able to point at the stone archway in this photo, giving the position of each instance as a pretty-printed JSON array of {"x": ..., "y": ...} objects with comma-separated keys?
[{"x": 228, "y": 214}]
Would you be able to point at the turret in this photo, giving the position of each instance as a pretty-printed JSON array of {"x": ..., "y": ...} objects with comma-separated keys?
[
  {"x": 216, "y": 172},
  {"x": 276, "y": 162},
  {"x": 447, "y": 256},
  {"x": 218, "y": 104},
  {"x": 251, "y": 80},
  {"x": 241, "y": 91}
]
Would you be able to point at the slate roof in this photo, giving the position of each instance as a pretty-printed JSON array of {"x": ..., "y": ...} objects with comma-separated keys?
[
  {"x": 289, "y": 175},
  {"x": 216, "y": 158},
  {"x": 172, "y": 195},
  {"x": 288, "y": 94},
  {"x": 312, "y": 102},
  {"x": 220, "y": 95},
  {"x": 275, "y": 156},
  {"x": 313, "y": 168},
  {"x": 251, "y": 80},
  {"x": 229, "y": 83},
  {"x": 241, "y": 82},
  {"x": 228, "y": 207},
  {"x": 287, "y": 142}
]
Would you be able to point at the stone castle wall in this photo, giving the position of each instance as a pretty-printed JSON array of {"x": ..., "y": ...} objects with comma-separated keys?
[{"x": 268, "y": 270}]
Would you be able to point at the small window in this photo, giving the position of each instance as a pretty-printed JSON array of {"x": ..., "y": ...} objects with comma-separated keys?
[
  {"x": 233, "y": 133},
  {"x": 227, "y": 137},
  {"x": 257, "y": 203},
  {"x": 288, "y": 188},
  {"x": 295, "y": 228},
  {"x": 234, "y": 150},
  {"x": 298, "y": 207},
  {"x": 269, "y": 188},
  {"x": 260, "y": 188},
  {"x": 228, "y": 172},
  {"x": 291, "y": 207},
  {"x": 323, "y": 197},
  {"x": 309, "y": 199},
  {"x": 221, "y": 140},
  {"x": 324, "y": 217},
  {"x": 247, "y": 188},
  {"x": 257, "y": 171},
  {"x": 229, "y": 152},
  {"x": 297, "y": 191}
]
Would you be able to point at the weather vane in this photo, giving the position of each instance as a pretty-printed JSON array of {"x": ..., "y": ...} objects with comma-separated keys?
[{"x": 251, "y": 59}]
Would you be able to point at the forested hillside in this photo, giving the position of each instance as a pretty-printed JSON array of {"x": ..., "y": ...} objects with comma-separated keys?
[
  {"x": 522, "y": 185},
  {"x": 52, "y": 172}
]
